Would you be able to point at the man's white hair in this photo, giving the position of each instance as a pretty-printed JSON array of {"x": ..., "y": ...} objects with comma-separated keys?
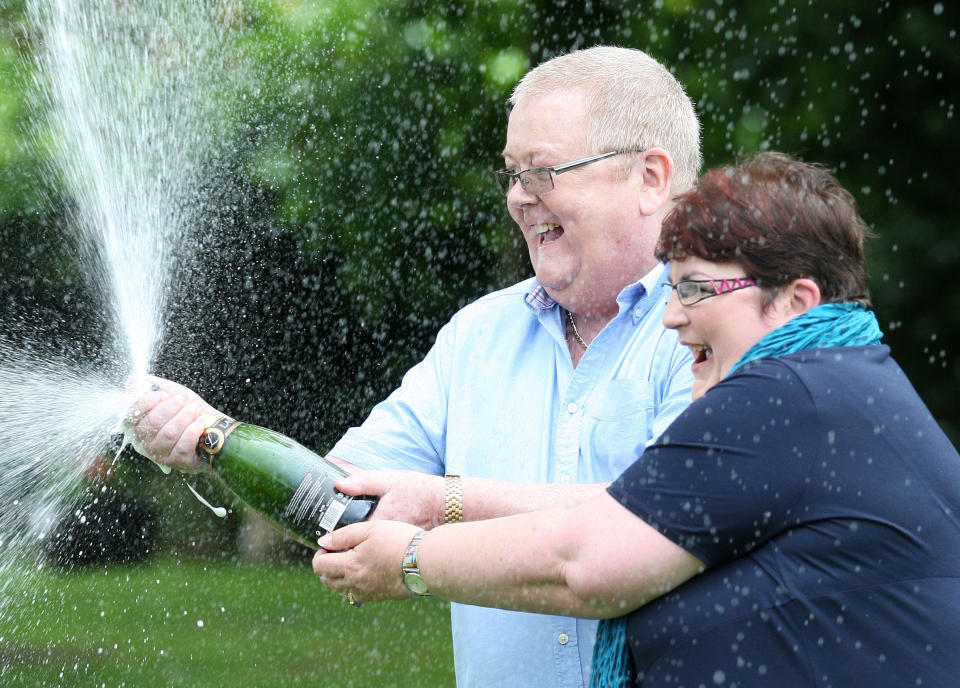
[{"x": 632, "y": 100}]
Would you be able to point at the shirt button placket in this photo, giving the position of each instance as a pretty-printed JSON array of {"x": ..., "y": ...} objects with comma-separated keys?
[{"x": 568, "y": 448}]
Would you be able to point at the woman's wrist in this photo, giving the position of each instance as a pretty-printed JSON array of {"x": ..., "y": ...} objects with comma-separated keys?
[{"x": 410, "y": 567}]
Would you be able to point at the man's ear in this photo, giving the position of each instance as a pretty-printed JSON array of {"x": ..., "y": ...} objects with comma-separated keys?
[
  {"x": 655, "y": 170},
  {"x": 799, "y": 296}
]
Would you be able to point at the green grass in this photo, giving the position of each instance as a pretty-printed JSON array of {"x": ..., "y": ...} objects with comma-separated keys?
[{"x": 201, "y": 623}]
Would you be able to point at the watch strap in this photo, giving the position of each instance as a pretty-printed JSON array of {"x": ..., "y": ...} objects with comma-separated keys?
[
  {"x": 453, "y": 499},
  {"x": 411, "y": 569}
]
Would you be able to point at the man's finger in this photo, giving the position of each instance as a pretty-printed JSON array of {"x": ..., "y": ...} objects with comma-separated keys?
[{"x": 370, "y": 483}]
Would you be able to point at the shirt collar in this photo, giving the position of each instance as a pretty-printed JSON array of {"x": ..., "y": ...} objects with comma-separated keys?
[{"x": 538, "y": 299}]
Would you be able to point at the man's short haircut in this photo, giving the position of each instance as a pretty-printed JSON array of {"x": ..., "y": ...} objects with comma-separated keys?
[{"x": 632, "y": 100}]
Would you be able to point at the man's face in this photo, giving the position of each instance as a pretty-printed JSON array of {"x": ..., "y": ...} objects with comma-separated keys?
[{"x": 586, "y": 237}]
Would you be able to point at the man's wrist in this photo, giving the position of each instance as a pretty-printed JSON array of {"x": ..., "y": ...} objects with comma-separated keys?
[{"x": 452, "y": 499}]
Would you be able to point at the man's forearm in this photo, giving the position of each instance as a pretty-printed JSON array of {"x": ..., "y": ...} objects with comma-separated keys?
[
  {"x": 484, "y": 498},
  {"x": 422, "y": 498}
]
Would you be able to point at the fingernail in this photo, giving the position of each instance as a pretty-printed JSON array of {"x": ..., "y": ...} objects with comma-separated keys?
[{"x": 324, "y": 542}]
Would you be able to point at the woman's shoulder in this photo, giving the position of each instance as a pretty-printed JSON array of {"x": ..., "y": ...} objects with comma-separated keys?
[{"x": 828, "y": 366}]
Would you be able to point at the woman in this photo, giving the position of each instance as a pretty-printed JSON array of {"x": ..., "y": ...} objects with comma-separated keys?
[{"x": 799, "y": 524}]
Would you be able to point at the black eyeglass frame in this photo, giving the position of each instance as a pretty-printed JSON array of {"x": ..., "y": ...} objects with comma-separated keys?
[
  {"x": 506, "y": 178},
  {"x": 726, "y": 285}
]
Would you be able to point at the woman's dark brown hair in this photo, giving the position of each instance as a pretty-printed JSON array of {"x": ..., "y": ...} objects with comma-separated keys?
[{"x": 779, "y": 219}]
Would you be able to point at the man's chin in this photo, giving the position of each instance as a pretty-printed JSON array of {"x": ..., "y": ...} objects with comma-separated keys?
[{"x": 550, "y": 278}]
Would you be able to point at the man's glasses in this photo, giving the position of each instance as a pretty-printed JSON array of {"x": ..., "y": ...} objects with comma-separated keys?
[
  {"x": 539, "y": 180},
  {"x": 693, "y": 291}
]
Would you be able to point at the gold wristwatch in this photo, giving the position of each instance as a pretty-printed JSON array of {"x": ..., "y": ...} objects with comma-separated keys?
[{"x": 452, "y": 499}]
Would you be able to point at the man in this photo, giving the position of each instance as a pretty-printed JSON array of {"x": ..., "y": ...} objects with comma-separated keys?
[
  {"x": 565, "y": 377},
  {"x": 561, "y": 379}
]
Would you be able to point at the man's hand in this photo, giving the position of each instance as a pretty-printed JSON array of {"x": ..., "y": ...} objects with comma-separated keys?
[
  {"x": 365, "y": 559},
  {"x": 168, "y": 421},
  {"x": 407, "y": 496}
]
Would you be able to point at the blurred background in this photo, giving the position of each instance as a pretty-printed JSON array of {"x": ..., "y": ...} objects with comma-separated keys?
[{"x": 356, "y": 211}]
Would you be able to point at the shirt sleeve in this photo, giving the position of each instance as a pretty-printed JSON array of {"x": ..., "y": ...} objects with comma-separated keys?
[
  {"x": 675, "y": 389},
  {"x": 728, "y": 473},
  {"x": 407, "y": 429}
]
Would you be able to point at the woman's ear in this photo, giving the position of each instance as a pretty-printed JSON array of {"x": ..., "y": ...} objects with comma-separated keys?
[
  {"x": 655, "y": 170},
  {"x": 799, "y": 296}
]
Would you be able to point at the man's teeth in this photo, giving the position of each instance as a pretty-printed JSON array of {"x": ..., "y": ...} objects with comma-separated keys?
[{"x": 544, "y": 227}]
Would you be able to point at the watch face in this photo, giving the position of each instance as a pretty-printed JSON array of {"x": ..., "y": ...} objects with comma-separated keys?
[{"x": 415, "y": 584}]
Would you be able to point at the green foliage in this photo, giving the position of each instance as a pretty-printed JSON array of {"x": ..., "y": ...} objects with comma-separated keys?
[
  {"x": 19, "y": 169},
  {"x": 360, "y": 211}
]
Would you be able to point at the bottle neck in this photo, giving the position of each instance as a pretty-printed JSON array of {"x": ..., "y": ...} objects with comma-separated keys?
[{"x": 215, "y": 436}]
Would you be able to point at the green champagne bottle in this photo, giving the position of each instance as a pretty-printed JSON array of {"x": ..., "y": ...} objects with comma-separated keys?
[{"x": 281, "y": 479}]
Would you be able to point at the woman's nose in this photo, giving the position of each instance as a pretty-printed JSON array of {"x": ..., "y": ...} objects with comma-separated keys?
[{"x": 675, "y": 315}]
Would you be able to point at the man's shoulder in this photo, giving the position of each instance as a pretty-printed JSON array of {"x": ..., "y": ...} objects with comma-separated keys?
[{"x": 506, "y": 301}]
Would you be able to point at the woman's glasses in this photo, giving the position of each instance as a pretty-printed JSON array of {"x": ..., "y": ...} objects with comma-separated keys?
[{"x": 693, "y": 291}]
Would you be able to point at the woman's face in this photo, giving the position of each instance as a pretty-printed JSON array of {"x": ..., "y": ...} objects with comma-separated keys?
[{"x": 719, "y": 329}]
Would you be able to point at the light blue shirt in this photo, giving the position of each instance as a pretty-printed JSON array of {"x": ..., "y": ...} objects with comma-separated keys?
[{"x": 498, "y": 397}]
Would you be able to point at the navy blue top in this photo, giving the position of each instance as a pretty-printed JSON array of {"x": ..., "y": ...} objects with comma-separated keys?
[{"x": 825, "y": 502}]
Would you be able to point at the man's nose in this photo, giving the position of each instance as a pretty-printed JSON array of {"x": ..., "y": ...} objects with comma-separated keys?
[{"x": 518, "y": 196}]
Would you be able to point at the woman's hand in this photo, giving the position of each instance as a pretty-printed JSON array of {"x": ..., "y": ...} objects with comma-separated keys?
[{"x": 364, "y": 560}]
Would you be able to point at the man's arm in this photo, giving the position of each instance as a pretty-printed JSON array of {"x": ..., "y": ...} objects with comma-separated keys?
[{"x": 421, "y": 499}]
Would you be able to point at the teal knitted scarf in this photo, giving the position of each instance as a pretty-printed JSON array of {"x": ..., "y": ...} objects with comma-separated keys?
[{"x": 826, "y": 325}]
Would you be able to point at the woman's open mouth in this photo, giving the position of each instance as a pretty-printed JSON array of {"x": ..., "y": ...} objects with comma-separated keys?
[{"x": 701, "y": 354}]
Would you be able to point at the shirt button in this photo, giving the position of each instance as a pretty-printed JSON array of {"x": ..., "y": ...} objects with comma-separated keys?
[
  {"x": 572, "y": 407},
  {"x": 638, "y": 313},
  {"x": 564, "y": 479},
  {"x": 563, "y": 639}
]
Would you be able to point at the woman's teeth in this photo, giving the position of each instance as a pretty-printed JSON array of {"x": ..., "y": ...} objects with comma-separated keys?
[{"x": 701, "y": 353}]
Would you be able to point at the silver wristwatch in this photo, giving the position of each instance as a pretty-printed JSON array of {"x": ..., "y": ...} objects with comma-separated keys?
[{"x": 411, "y": 570}]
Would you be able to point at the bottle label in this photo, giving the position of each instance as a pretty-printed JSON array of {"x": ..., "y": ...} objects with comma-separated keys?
[
  {"x": 316, "y": 505},
  {"x": 213, "y": 437}
]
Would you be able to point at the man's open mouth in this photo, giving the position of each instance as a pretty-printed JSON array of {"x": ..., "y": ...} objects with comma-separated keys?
[{"x": 547, "y": 231}]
